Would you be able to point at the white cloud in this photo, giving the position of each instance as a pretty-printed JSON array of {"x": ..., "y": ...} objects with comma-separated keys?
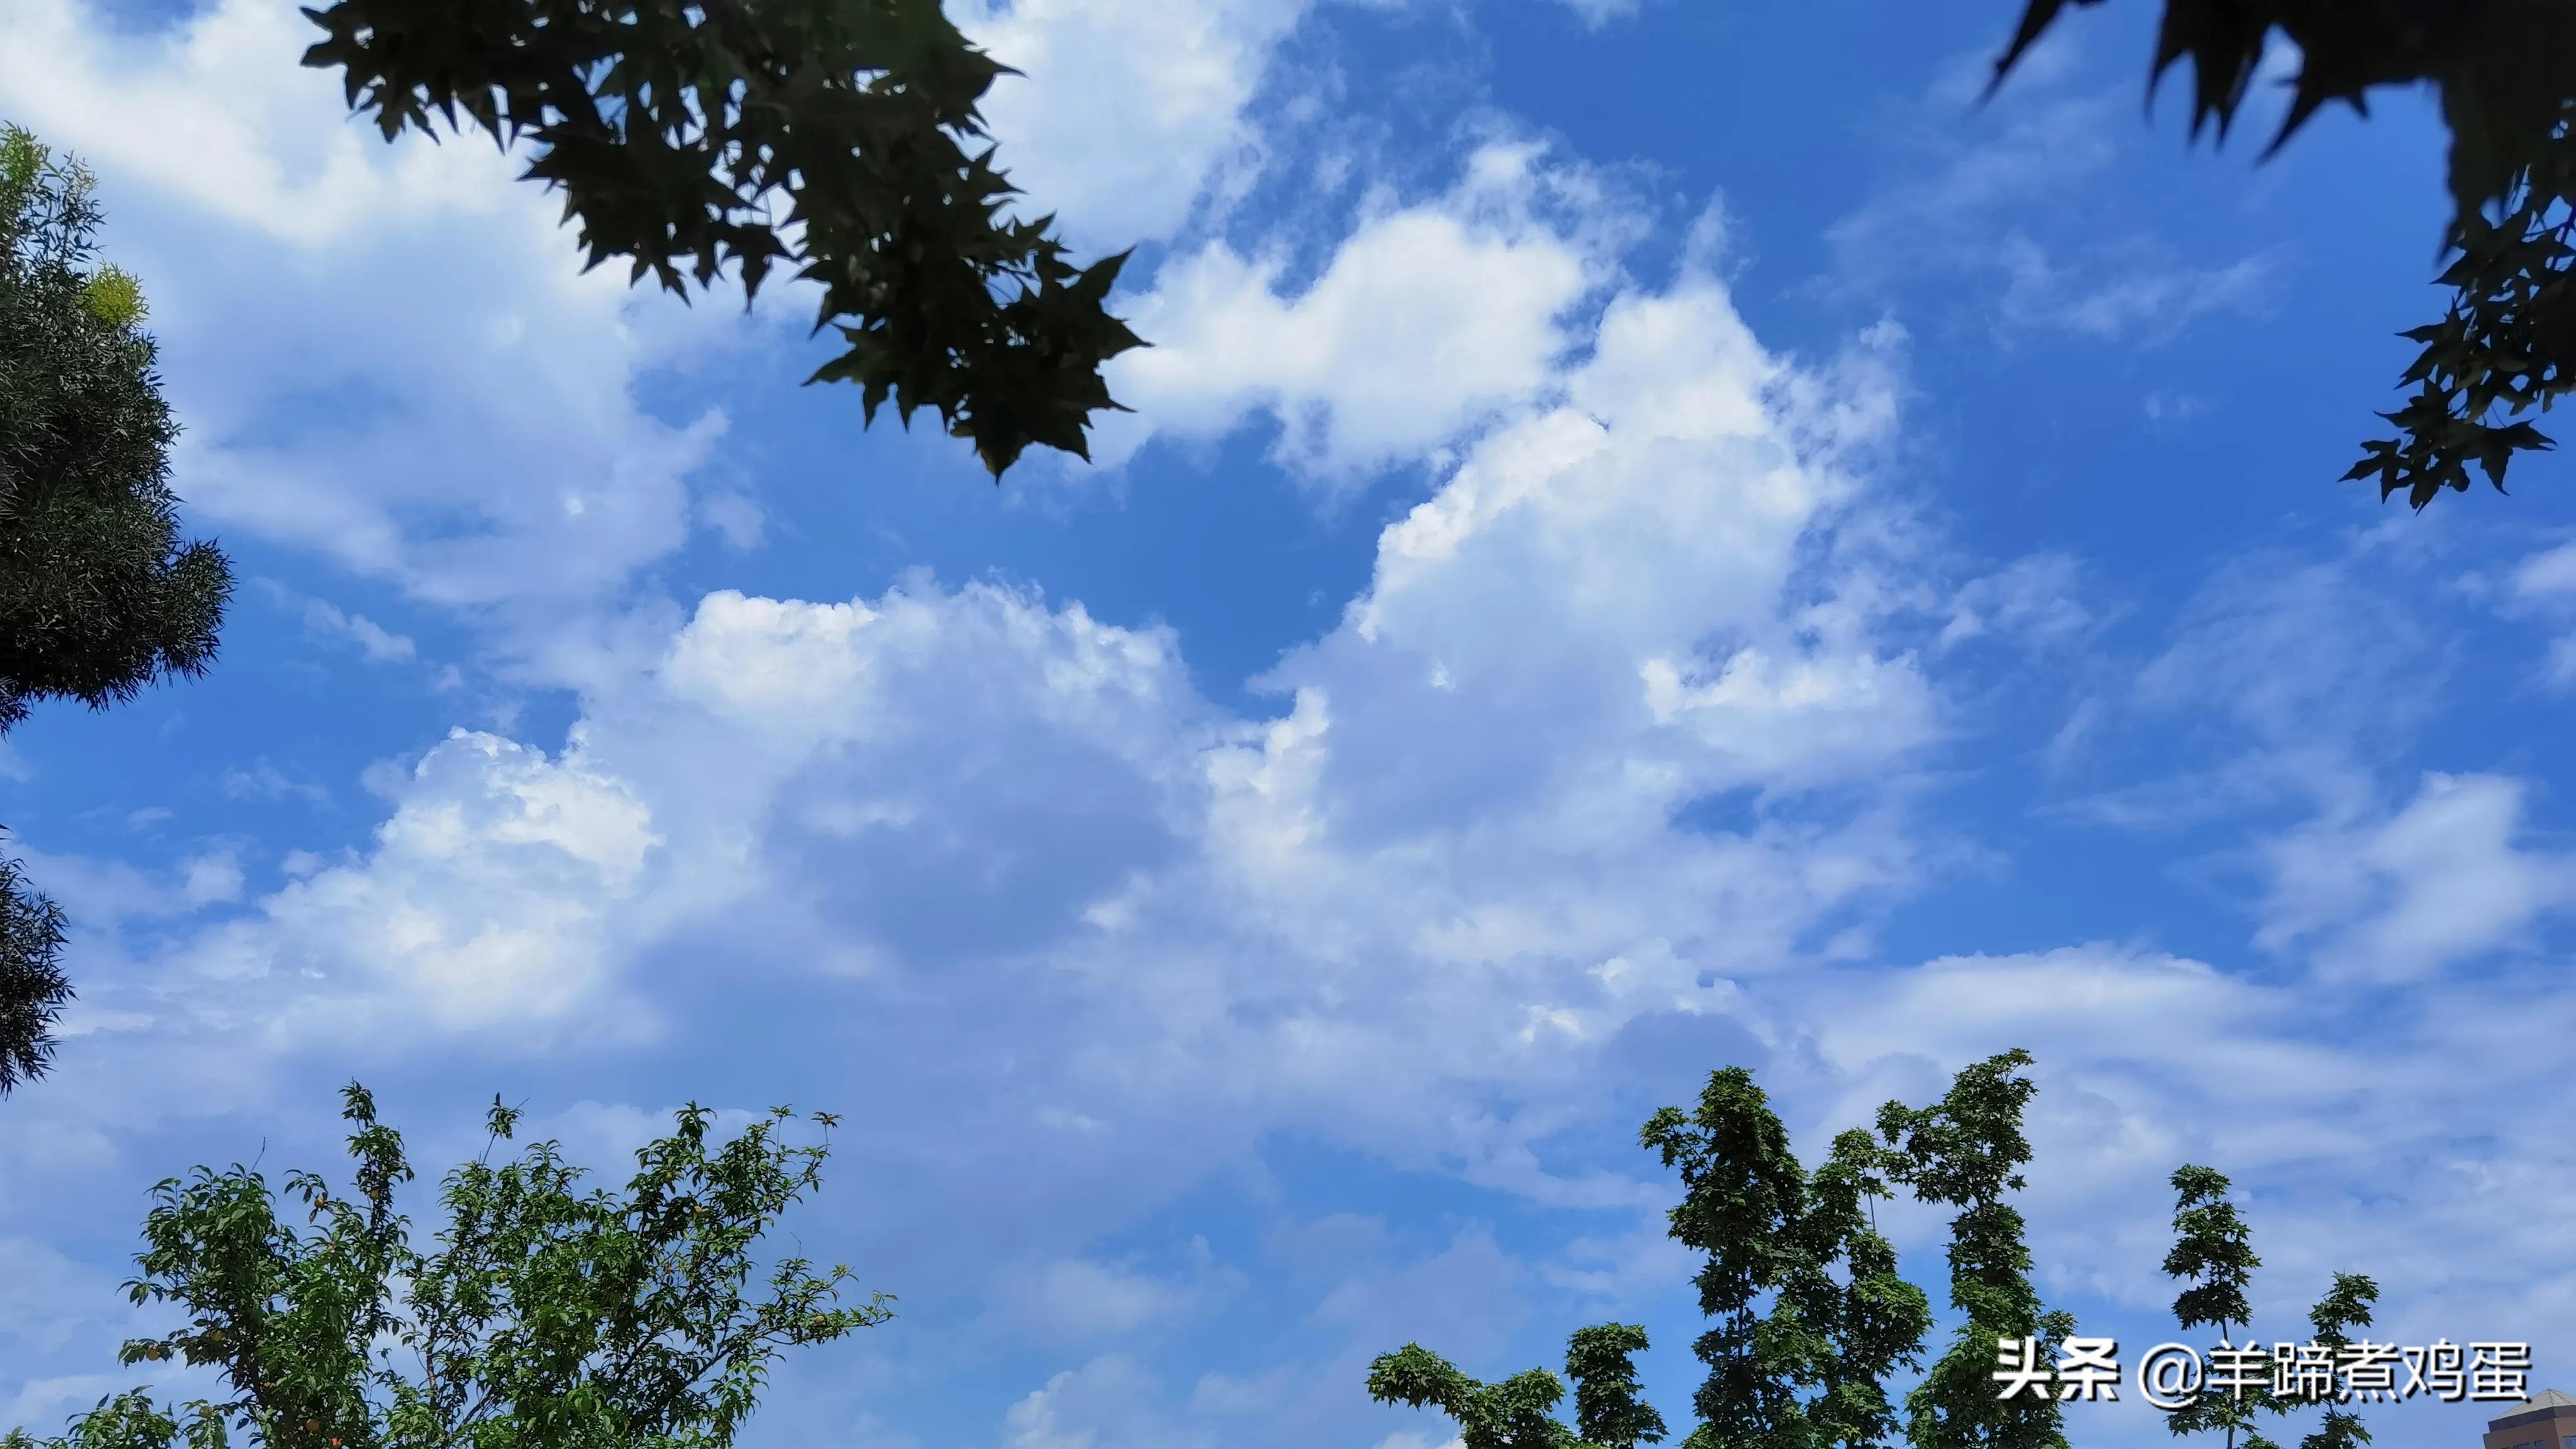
[
  {"x": 381, "y": 354},
  {"x": 1369, "y": 911},
  {"x": 103, "y": 895},
  {"x": 44, "y": 1296},
  {"x": 1107, "y": 1400},
  {"x": 1598, "y": 13},
  {"x": 1462, "y": 1298},
  {"x": 2297, "y": 675},
  {"x": 220, "y": 128},
  {"x": 2174, "y": 408},
  {"x": 2550, "y": 574},
  {"x": 2444, "y": 879},
  {"x": 1080, "y": 1300},
  {"x": 491, "y": 896},
  {"x": 379, "y": 644},
  {"x": 1427, "y": 321},
  {"x": 2142, "y": 298},
  {"x": 385, "y": 355},
  {"x": 2353, "y": 1132},
  {"x": 2037, "y": 598},
  {"x": 211, "y": 878},
  {"x": 264, "y": 780},
  {"x": 1126, "y": 109},
  {"x": 1985, "y": 205},
  {"x": 737, "y": 516},
  {"x": 1077, "y": 1299},
  {"x": 2544, "y": 584}
]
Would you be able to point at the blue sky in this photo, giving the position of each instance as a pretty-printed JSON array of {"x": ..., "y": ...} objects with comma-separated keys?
[{"x": 1652, "y": 537}]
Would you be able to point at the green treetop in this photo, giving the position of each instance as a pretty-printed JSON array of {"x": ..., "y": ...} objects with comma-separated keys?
[
  {"x": 548, "y": 1315},
  {"x": 2213, "y": 1253},
  {"x": 98, "y": 595},
  {"x": 1966, "y": 1151},
  {"x": 2345, "y": 1307}
]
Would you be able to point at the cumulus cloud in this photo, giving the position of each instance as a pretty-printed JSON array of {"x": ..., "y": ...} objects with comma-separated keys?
[
  {"x": 982, "y": 774},
  {"x": 487, "y": 899},
  {"x": 381, "y": 354},
  {"x": 1448, "y": 871},
  {"x": 1110, "y": 1399},
  {"x": 1126, "y": 109},
  {"x": 1426, "y": 321}
]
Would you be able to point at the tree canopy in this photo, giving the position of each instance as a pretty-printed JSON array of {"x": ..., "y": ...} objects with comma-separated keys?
[
  {"x": 2213, "y": 1255},
  {"x": 837, "y": 137},
  {"x": 549, "y": 1315},
  {"x": 2505, "y": 73},
  {"x": 98, "y": 595},
  {"x": 1809, "y": 1369},
  {"x": 32, "y": 988},
  {"x": 1966, "y": 1151},
  {"x": 1811, "y": 1319}
]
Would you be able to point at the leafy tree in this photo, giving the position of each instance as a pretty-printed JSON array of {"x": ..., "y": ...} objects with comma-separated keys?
[
  {"x": 837, "y": 137},
  {"x": 2345, "y": 1307},
  {"x": 1602, "y": 1362},
  {"x": 98, "y": 597},
  {"x": 1809, "y": 1370},
  {"x": 2505, "y": 71},
  {"x": 1520, "y": 1411},
  {"x": 548, "y": 1316},
  {"x": 1811, "y": 1316},
  {"x": 32, "y": 988},
  {"x": 2213, "y": 1253},
  {"x": 1966, "y": 1151}
]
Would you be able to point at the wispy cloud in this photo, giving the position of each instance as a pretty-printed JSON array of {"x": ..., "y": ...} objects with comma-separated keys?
[
  {"x": 2544, "y": 585},
  {"x": 264, "y": 780},
  {"x": 2446, "y": 878},
  {"x": 373, "y": 640},
  {"x": 1988, "y": 196}
]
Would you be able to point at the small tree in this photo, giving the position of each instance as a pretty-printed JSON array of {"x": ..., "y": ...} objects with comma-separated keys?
[
  {"x": 1966, "y": 1151},
  {"x": 98, "y": 595},
  {"x": 2345, "y": 1307},
  {"x": 1520, "y": 1411},
  {"x": 1807, "y": 1368},
  {"x": 2213, "y": 1253},
  {"x": 32, "y": 988},
  {"x": 549, "y": 1316},
  {"x": 1811, "y": 1315}
]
